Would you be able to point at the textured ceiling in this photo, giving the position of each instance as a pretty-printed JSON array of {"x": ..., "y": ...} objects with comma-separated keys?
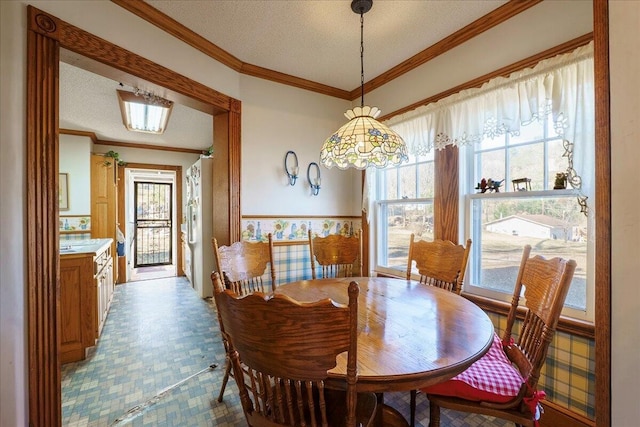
[
  {"x": 88, "y": 102},
  {"x": 317, "y": 40}
]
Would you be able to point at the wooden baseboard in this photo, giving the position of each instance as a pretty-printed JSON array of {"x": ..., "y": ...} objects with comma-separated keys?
[{"x": 555, "y": 415}]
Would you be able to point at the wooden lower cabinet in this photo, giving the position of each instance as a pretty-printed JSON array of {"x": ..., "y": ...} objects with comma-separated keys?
[
  {"x": 103, "y": 280},
  {"x": 86, "y": 289}
]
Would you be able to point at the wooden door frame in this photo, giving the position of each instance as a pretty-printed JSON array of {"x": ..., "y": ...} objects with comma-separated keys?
[
  {"x": 121, "y": 214},
  {"x": 46, "y": 35}
]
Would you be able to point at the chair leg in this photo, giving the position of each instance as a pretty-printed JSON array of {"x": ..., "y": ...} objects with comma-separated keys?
[
  {"x": 225, "y": 379},
  {"x": 434, "y": 415},
  {"x": 412, "y": 406}
]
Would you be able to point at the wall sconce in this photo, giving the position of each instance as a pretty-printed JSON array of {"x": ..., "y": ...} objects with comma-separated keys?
[
  {"x": 293, "y": 175},
  {"x": 314, "y": 183}
]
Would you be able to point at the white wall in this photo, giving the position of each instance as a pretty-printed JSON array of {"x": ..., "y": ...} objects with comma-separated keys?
[
  {"x": 624, "y": 45},
  {"x": 75, "y": 160},
  {"x": 275, "y": 119}
]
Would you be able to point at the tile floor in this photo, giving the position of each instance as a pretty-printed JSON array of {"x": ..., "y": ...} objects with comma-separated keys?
[{"x": 151, "y": 367}]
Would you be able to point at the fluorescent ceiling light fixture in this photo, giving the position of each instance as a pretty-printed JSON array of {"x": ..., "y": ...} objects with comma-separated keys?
[{"x": 144, "y": 112}]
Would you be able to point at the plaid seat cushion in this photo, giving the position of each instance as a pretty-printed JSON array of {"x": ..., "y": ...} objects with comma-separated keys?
[{"x": 492, "y": 379}]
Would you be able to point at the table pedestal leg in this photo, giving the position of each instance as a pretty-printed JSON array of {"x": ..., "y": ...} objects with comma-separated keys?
[{"x": 388, "y": 416}]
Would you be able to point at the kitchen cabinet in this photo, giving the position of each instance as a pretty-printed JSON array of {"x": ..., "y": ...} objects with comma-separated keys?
[
  {"x": 104, "y": 201},
  {"x": 86, "y": 290}
]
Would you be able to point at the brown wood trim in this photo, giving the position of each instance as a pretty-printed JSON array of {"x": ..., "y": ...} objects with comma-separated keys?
[
  {"x": 148, "y": 146},
  {"x": 603, "y": 213},
  {"x": 479, "y": 26},
  {"x": 63, "y": 232},
  {"x": 154, "y": 16},
  {"x": 502, "y": 72},
  {"x": 100, "y": 50},
  {"x": 299, "y": 216},
  {"x": 287, "y": 79},
  {"x": 43, "y": 264},
  {"x": 221, "y": 172},
  {"x": 235, "y": 164},
  {"x": 556, "y": 415},
  {"x": 173, "y": 27},
  {"x": 97, "y": 141},
  {"x": 91, "y": 135},
  {"x": 565, "y": 324},
  {"x": 291, "y": 243},
  {"x": 165, "y": 23},
  {"x": 446, "y": 194},
  {"x": 121, "y": 218},
  {"x": 365, "y": 236}
]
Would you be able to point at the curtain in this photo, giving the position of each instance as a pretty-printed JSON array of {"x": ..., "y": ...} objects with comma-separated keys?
[{"x": 562, "y": 86}]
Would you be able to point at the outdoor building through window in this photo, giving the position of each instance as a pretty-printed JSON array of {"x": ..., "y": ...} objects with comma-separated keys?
[
  {"x": 526, "y": 209},
  {"x": 527, "y": 168}
]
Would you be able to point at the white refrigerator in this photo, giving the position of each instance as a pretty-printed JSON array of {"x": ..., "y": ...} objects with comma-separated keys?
[{"x": 199, "y": 186}]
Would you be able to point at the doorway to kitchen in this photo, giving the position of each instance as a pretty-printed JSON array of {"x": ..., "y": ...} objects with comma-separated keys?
[{"x": 150, "y": 218}]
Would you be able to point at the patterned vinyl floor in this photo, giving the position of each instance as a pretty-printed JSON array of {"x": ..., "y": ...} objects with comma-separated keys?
[{"x": 153, "y": 367}]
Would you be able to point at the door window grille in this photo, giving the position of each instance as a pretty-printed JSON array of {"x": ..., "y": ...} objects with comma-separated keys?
[{"x": 153, "y": 225}]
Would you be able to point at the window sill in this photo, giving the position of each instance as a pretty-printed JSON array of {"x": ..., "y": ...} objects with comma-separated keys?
[{"x": 565, "y": 324}]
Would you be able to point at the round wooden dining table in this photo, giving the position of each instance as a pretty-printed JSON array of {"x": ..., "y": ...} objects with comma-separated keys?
[{"x": 410, "y": 335}]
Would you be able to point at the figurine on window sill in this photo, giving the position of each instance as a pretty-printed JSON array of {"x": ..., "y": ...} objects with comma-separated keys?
[
  {"x": 560, "y": 182},
  {"x": 489, "y": 185}
]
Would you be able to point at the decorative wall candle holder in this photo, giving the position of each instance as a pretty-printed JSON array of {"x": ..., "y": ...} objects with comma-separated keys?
[
  {"x": 293, "y": 175},
  {"x": 314, "y": 182}
]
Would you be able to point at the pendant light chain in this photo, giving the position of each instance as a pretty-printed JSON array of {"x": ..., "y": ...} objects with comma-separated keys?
[{"x": 361, "y": 59}]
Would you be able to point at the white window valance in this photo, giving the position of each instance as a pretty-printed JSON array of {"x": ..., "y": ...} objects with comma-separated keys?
[{"x": 562, "y": 86}]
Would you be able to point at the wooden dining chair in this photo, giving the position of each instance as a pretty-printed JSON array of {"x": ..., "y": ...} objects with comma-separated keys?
[
  {"x": 282, "y": 360},
  {"x": 440, "y": 263},
  {"x": 339, "y": 256},
  {"x": 243, "y": 267},
  {"x": 503, "y": 383}
]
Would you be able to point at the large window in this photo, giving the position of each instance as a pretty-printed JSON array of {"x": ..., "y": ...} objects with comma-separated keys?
[
  {"x": 404, "y": 206},
  {"x": 527, "y": 162},
  {"x": 527, "y": 211}
]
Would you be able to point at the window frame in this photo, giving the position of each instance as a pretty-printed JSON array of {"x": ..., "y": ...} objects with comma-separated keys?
[
  {"x": 473, "y": 289},
  {"x": 380, "y": 220},
  {"x": 468, "y": 194}
]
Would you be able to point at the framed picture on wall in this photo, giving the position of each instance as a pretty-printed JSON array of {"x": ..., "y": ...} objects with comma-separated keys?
[{"x": 63, "y": 191}]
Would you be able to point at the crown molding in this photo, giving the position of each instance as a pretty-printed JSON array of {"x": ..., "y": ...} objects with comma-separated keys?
[
  {"x": 154, "y": 16},
  {"x": 97, "y": 141},
  {"x": 502, "y": 72}
]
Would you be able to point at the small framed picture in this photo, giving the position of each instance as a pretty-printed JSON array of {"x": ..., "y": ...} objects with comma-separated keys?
[{"x": 63, "y": 191}]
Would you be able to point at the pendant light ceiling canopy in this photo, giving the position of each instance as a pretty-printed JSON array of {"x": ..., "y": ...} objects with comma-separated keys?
[{"x": 363, "y": 141}]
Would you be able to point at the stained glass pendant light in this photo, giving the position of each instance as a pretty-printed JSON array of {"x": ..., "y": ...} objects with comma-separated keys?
[{"x": 363, "y": 141}]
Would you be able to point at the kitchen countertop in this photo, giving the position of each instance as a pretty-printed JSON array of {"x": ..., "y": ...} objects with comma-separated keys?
[{"x": 83, "y": 247}]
